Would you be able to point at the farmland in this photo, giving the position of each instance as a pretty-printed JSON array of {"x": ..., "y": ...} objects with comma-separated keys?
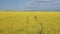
[{"x": 29, "y": 22}]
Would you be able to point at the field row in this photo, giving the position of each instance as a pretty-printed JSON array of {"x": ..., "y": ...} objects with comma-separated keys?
[{"x": 29, "y": 23}]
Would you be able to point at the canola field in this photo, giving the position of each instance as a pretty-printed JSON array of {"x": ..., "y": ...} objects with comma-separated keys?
[{"x": 29, "y": 22}]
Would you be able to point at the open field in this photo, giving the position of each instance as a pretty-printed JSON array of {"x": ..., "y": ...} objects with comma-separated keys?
[{"x": 29, "y": 22}]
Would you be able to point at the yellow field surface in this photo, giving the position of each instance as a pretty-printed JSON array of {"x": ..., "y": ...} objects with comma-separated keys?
[{"x": 29, "y": 22}]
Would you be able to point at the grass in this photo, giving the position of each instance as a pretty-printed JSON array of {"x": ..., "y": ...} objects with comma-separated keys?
[{"x": 29, "y": 22}]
